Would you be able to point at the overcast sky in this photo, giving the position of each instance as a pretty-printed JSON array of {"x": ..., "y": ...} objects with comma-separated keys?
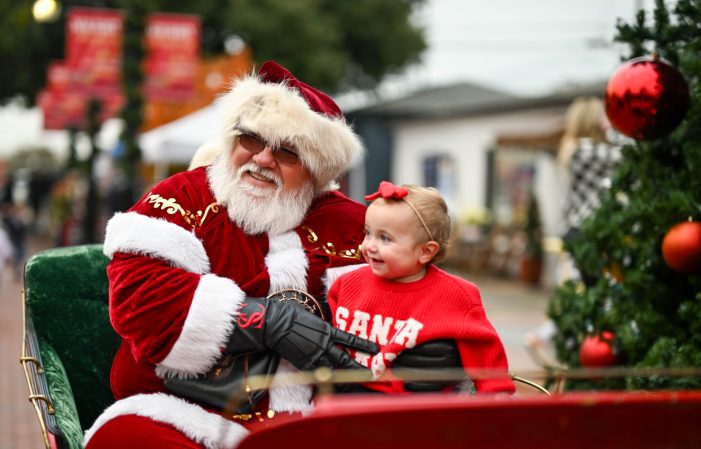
[{"x": 526, "y": 47}]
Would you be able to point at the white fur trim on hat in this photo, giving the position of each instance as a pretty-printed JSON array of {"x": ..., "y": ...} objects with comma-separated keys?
[
  {"x": 134, "y": 233},
  {"x": 205, "y": 428},
  {"x": 207, "y": 327},
  {"x": 279, "y": 114},
  {"x": 206, "y": 154}
]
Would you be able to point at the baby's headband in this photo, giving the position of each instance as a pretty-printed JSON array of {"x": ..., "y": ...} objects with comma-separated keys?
[{"x": 388, "y": 190}]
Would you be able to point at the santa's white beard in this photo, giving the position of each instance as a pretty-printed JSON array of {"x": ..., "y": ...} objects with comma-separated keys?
[{"x": 258, "y": 210}]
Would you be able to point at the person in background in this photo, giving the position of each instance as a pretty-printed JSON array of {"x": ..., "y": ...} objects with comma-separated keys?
[
  {"x": 62, "y": 208},
  {"x": 420, "y": 316},
  {"x": 193, "y": 261},
  {"x": 588, "y": 160},
  {"x": 6, "y": 252},
  {"x": 588, "y": 156},
  {"x": 16, "y": 229}
]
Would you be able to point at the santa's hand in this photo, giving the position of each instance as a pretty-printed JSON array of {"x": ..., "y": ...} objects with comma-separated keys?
[{"x": 298, "y": 336}]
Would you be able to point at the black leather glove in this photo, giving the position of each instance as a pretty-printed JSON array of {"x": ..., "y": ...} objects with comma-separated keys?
[
  {"x": 431, "y": 355},
  {"x": 300, "y": 337}
]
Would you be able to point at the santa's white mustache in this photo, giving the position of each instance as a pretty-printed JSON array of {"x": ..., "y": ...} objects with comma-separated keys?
[
  {"x": 264, "y": 174},
  {"x": 260, "y": 172}
]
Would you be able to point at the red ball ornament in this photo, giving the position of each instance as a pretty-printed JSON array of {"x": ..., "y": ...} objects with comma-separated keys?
[
  {"x": 646, "y": 98},
  {"x": 681, "y": 247},
  {"x": 596, "y": 351}
]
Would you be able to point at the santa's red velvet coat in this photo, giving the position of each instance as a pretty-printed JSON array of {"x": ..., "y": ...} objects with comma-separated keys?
[{"x": 180, "y": 268}]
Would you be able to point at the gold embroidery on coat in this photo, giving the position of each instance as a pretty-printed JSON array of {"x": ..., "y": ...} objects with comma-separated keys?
[
  {"x": 194, "y": 219},
  {"x": 330, "y": 248},
  {"x": 312, "y": 237}
]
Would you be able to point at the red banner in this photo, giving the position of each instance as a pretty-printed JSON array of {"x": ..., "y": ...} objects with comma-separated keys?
[
  {"x": 68, "y": 109},
  {"x": 61, "y": 110},
  {"x": 173, "y": 49},
  {"x": 59, "y": 76},
  {"x": 92, "y": 68},
  {"x": 94, "y": 49}
]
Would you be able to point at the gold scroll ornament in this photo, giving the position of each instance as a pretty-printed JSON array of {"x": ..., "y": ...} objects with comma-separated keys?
[
  {"x": 330, "y": 248},
  {"x": 194, "y": 219}
]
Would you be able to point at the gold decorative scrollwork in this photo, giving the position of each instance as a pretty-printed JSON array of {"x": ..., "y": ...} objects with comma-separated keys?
[
  {"x": 214, "y": 207},
  {"x": 171, "y": 206},
  {"x": 353, "y": 253},
  {"x": 168, "y": 205},
  {"x": 312, "y": 237},
  {"x": 330, "y": 248}
]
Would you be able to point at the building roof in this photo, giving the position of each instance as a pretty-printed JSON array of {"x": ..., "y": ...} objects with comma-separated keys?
[{"x": 469, "y": 99}]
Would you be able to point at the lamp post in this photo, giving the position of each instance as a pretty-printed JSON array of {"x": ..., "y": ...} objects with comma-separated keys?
[{"x": 46, "y": 10}]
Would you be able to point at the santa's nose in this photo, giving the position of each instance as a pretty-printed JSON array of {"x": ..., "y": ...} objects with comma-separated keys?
[{"x": 265, "y": 158}]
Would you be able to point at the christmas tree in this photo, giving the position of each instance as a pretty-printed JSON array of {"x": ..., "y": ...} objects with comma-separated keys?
[{"x": 648, "y": 312}]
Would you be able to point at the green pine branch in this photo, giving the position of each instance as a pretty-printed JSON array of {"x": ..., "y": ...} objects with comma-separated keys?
[{"x": 654, "y": 311}]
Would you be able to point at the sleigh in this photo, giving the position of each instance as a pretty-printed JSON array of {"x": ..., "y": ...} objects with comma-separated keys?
[{"x": 69, "y": 345}]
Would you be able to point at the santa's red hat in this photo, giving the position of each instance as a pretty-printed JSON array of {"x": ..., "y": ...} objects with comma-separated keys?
[{"x": 281, "y": 109}]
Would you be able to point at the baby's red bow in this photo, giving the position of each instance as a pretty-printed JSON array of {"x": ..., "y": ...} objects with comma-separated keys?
[{"x": 388, "y": 190}]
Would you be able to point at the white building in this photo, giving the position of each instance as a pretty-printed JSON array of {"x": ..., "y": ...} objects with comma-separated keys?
[{"x": 484, "y": 150}]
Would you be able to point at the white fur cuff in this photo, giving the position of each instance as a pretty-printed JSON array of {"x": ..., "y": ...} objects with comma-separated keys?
[
  {"x": 134, "y": 233},
  {"x": 207, "y": 327}
]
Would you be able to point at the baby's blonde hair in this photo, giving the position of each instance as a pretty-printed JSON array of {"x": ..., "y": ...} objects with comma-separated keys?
[{"x": 429, "y": 203}]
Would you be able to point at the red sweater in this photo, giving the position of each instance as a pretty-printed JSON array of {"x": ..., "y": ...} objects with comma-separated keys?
[{"x": 402, "y": 315}]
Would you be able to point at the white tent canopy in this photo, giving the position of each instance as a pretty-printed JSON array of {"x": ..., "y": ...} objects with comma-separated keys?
[
  {"x": 172, "y": 143},
  {"x": 176, "y": 141},
  {"x": 23, "y": 128}
]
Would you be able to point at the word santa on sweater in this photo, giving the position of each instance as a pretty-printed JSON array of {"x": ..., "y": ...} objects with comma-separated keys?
[{"x": 391, "y": 334}]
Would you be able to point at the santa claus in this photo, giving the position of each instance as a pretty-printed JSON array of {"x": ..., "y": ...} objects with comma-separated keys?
[{"x": 193, "y": 261}]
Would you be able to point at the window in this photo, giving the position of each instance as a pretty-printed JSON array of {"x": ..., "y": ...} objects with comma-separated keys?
[{"x": 439, "y": 172}]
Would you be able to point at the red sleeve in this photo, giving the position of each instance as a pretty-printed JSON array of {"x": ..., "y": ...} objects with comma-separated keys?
[
  {"x": 163, "y": 300},
  {"x": 148, "y": 290},
  {"x": 482, "y": 349}
]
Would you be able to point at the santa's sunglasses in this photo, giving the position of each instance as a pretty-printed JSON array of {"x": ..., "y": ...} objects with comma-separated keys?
[{"x": 254, "y": 144}]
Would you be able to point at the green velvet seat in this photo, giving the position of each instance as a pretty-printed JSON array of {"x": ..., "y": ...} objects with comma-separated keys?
[{"x": 69, "y": 342}]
